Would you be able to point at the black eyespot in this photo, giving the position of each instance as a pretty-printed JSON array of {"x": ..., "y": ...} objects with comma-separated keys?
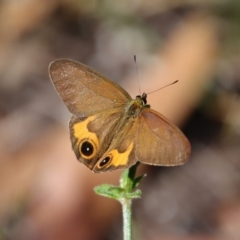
[
  {"x": 105, "y": 161},
  {"x": 87, "y": 149}
]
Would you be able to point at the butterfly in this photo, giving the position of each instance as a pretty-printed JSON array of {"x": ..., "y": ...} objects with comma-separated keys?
[{"x": 108, "y": 129}]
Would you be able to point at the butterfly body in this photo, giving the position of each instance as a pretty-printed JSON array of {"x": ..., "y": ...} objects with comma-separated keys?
[{"x": 109, "y": 130}]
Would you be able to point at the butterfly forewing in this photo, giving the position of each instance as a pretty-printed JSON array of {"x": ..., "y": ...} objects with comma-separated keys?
[
  {"x": 83, "y": 90},
  {"x": 159, "y": 142}
]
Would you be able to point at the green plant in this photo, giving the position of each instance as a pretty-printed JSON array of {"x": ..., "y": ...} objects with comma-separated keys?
[{"x": 124, "y": 193}]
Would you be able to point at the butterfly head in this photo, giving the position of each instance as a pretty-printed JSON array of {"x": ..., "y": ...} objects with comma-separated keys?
[{"x": 143, "y": 100}]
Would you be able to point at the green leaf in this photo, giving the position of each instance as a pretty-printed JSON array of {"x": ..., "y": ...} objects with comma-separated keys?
[
  {"x": 133, "y": 195},
  {"x": 124, "y": 179},
  {"x": 110, "y": 191},
  {"x": 137, "y": 180}
]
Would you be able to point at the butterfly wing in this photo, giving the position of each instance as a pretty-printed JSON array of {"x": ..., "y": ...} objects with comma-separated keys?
[
  {"x": 121, "y": 152},
  {"x": 159, "y": 142},
  {"x": 97, "y": 105},
  {"x": 83, "y": 90},
  {"x": 92, "y": 136}
]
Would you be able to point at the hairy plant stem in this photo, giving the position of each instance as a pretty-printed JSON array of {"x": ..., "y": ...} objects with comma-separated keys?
[{"x": 127, "y": 218}]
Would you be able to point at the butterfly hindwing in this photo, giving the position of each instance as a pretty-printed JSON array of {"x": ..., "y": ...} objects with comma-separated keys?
[
  {"x": 91, "y": 133},
  {"x": 121, "y": 152}
]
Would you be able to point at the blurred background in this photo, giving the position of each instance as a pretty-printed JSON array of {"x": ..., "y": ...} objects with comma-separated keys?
[{"x": 45, "y": 193}]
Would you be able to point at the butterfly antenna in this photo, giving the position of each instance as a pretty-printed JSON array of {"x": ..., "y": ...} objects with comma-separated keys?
[
  {"x": 164, "y": 87},
  {"x": 135, "y": 60}
]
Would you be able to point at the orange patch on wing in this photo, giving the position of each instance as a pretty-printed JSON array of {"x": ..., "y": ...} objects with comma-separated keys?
[
  {"x": 81, "y": 132},
  {"x": 120, "y": 159}
]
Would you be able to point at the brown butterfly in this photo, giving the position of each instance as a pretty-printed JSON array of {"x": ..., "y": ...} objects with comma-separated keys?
[{"x": 109, "y": 130}]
